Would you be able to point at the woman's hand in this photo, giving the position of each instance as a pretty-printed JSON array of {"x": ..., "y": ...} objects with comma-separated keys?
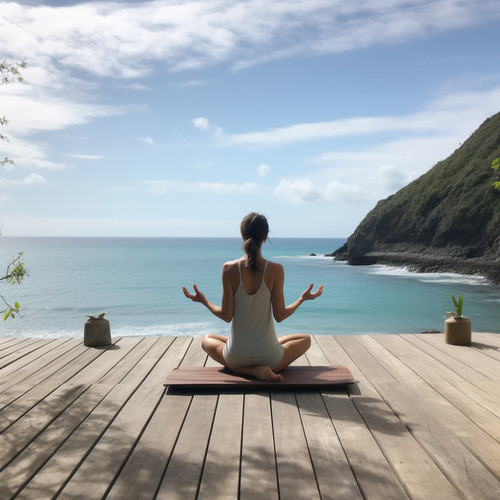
[
  {"x": 308, "y": 295},
  {"x": 197, "y": 297},
  {"x": 224, "y": 312}
]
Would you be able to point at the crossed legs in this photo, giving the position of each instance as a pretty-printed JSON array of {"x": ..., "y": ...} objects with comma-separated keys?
[{"x": 294, "y": 346}]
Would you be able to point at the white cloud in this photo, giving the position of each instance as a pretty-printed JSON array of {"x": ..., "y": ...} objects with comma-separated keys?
[
  {"x": 262, "y": 170},
  {"x": 46, "y": 101},
  {"x": 161, "y": 187},
  {"x": 140, "y": 87},
  {"x": 27, "y": 154},
  {"x": 217, "y": 188},
  {"x": 85, "y": 157},
  {"x": 147, "y": 140},
  {"x": 121, "y": 40},
  {"x": 33, "y": 179},
  {"x": 201, "y": 123},
  {"x": 192, "y": 83},
  {"x": 449, "y": 114},
  {"x": 305, "y": 191},
  {"x": 30, "y": 180},
  {"x": 298, "y": 190},
  {"x": 386, "y": 167},
  {"x": 220, "y": 188}
]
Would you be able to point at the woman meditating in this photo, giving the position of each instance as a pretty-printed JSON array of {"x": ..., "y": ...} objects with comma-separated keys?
[{"x": 252, "y": 293}]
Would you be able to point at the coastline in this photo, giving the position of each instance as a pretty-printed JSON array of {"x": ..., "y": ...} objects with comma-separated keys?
[{"x": 425, "y": 260}]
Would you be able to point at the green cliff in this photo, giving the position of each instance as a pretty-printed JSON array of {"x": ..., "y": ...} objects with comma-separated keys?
[{"x": 446, "y": 220}]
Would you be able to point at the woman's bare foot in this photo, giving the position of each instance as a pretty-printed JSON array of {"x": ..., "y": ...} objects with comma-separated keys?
[{"x": 265, "y": 373}]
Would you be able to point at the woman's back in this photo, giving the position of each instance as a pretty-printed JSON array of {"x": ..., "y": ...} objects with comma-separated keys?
[{"x": 252, "y": 328}]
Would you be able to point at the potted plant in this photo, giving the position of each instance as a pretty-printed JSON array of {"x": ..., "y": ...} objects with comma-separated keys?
[{"x": 457, "y": 328}]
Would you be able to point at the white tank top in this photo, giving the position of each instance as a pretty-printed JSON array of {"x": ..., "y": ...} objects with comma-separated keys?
[{"x": 252, "y": 328}]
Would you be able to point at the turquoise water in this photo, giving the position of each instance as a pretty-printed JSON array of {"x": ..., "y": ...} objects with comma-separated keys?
[{"x": 137, "y": 281}]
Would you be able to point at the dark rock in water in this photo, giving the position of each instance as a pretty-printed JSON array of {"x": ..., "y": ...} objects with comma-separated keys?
[
  {"x": 446, "y": 220},
  {"x": 312, "y": 255}
]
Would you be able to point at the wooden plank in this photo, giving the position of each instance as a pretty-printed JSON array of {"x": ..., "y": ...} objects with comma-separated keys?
[
  {"x": 489, "y": 347},
  {"x": 20, "y": 434},
  {"x": 43, "y": 368},
  {"x": 144, "y": 469},
  {"x": 446, "y": 359},
  {"x": 146, "y": 465},
  {"x": 186, "y": 463},
  {"x": 50, "y": 479},
  {"x": 62, "y": 465},
  {"x": 403, "y": 453},
  {"x": 331, "y": 467},
  {"x": 296, "y": 477},
  {"x": 315, "y": 356},
  {"x": 4, "y": 341},
  {"x": 482, "y": 408},
  {"x": 380, "y": 372},
  {"x": 423, "y": 416},
  {"x": 487, "y": 339},
  {"x": 429, "y": 425},
  {"x": 128, "y": 362},
  {"x": 335, "y": 353},
  {"x": 220, "y": 477},
  {"x": 258, "y": 477},
  {"x": 31, "y": 363},
  {"x": 32, "y": 458},
  {"x": 144, "y": 366},
  {"x": 473, "y": 358},
  {"x": 373, "y": 473},
  {"x": 97, "y": 473},
  {"x": 195, "y": 356},
  {"x": 28, "y": 396},
  {"x": 19, "y": 352},
  {"x": 476, "y": 440},
  {"x": 99, "y": 367},
  {"x": 486, "y": 387},
  {"x": 408, "y": 459},
  {"x": 203, "y": 409},
  {"x": 16, "y": 345}
]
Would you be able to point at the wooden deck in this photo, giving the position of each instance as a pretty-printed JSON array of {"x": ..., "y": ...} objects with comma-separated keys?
[{"x": 422, "y": 422}]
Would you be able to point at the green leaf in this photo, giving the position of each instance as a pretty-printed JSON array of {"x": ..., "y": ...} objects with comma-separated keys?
[
  {"x": 495, "y": 164},
  {"x": 460, "y": 304},
  {"x": 496, "y": 185},
  {"x": 7, "y": 314}
]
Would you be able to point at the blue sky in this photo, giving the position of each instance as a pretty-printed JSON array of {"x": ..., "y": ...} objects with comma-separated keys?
[{"x": 176, "y": 118}]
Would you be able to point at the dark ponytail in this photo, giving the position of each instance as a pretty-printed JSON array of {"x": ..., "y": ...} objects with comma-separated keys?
[{"x": 254, "y": 229}]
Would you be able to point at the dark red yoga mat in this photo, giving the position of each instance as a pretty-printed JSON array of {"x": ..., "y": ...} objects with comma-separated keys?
[{"x": 293, "y": 377}]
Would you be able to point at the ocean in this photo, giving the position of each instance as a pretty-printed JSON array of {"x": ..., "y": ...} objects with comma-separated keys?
[{"x": 137, "y": 282}]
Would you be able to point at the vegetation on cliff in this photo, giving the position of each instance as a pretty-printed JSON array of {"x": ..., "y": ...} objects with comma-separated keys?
[{"x": 448, "y": 219}]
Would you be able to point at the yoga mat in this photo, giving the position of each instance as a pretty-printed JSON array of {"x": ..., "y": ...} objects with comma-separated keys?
[{"x": 293, "y": 377}]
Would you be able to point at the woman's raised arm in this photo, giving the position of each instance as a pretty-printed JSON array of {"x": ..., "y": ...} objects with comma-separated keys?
[
  {"x": 226, "y": 309},
  {"x": 280, "y": 310}
]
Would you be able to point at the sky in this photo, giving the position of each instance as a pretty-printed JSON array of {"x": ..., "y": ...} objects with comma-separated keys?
[{"x": 178, "y": 117}]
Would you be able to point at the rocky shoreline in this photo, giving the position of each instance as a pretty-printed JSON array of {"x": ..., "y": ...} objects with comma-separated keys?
[{"x": 426, "y": 260}]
